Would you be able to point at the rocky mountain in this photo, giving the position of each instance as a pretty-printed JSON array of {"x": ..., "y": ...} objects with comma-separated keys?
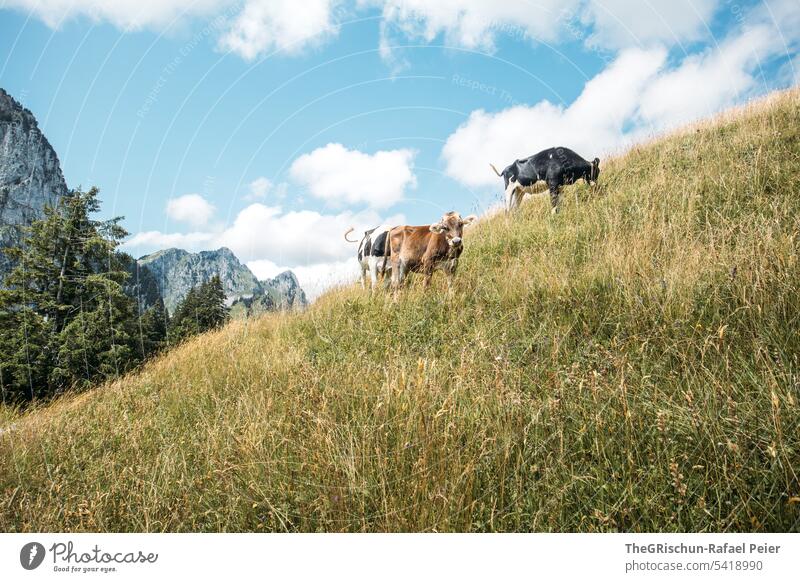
[
  {"x": 141, "y": 284},
  {"x": 175, "y": 271},
  {"x": 279, "y": 293},
  {"x": 30, "y": 175},
  {"x": 31, "y": 178}
]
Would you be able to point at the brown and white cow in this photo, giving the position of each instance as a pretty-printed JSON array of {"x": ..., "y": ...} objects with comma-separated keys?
[{"x": 424, "y": 249}]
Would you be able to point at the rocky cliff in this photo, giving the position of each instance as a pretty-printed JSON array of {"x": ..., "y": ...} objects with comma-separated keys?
[
  {"x": 30, "y": 175},
  {"x": 279, "y": 293},
  {"x": 175, "y": 271}
]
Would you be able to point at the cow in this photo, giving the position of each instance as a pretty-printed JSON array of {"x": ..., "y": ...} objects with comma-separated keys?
[
  {"x": 424, "y": 249},
  {"x": 555, "y": 166},
  {"x": 372, "y": 255}
]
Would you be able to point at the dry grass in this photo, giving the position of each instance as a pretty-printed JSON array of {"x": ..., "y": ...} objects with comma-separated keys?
[{"x": 631, "y": 364}]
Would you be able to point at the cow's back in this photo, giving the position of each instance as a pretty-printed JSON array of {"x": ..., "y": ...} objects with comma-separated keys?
[{"x": 560, "y": 155}]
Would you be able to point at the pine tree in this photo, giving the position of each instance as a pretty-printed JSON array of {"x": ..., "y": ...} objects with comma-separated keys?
[
  {"x": 152, "y": 330},
  {"x": 212, "y": 312},
  {"x": 202, "y": 309},
  {"x": 66, "y": 319}
]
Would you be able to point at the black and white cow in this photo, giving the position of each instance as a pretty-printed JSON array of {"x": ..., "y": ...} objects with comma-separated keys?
[
  {"x": 555, "y": 166},
  {"x": 373, "y": 254}
]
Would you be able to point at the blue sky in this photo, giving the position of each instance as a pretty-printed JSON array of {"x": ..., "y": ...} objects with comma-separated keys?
[{"x": 271, "y": 129}]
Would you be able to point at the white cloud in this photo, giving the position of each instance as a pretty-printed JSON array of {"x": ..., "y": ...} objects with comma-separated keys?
[
  {"x": 592, "y": 125},
  {"x": 314, "y": 279},
  {"x": 638, "y": 94},
  {"x": 720, "y": 77},
  {"x": 475, "y": 23},
  {"x": 125, "y": 14},
  {"x": 190, "y": 208},
  {"x": 258, "y": 189},
  {"x": 260, "y": 232},
  {"x": 152, "y": 240},
  {"x": 284, "y": 25},
  {"x": 249, "y": 28},
  {"x": 613, "y": 24},
  {"x": 252, "y": 28},
  {"x": 617, "y": 24},
  {"x": 704, "y": 84},
  {"x": 341, "y": 176},
  {"x": 264, "y": 237}
]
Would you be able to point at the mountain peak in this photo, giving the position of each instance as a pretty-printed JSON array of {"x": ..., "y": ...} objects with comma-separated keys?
[
  {"x": 176, "y": 271},
  {"x": 30, "y": 174}
]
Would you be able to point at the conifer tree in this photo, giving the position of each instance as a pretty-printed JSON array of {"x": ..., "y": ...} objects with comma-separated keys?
[
  {"x": 152, "y": 332},
  {"x": 202, "y": 309},
  {"x": 65, "y": 318}
]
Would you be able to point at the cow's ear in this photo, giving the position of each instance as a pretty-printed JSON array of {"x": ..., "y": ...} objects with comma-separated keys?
[
  {"x": 436, "y": 227},
  {"x": 596, "y": 162},
  {"x": 469, "y": 219}
]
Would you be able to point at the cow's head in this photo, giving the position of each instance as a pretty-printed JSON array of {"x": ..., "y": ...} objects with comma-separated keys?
[
  {"x": 595, "y": 171},
  {"x": 452, "y": 227}
]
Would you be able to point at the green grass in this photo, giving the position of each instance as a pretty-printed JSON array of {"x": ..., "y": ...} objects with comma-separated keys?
[{"x": 630, "y": 364}]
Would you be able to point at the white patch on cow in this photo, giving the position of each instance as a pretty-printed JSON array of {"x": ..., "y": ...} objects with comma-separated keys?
[{"x": 370, "y": 264}]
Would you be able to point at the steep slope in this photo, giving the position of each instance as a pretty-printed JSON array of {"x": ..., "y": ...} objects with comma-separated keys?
[
  {"x": 30, "y": 175},
  {"x": 630, "y": 364}
]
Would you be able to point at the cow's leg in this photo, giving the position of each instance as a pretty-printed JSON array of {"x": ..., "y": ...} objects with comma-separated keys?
[
  {"x": 373, "y": 272},
  {"x": 520, "y": 194},
  {"x": 511, "y": 192},
  {"x": 363, "y": 275},
  {"x": 450, "y": 271},
  {"x": 427, "y": 272},
  {"x": 387, "y": 277},
  {"x": 555, "y": 188},
  {"x": 395, "y": 273},
  {"x": 397, "y": 276}
]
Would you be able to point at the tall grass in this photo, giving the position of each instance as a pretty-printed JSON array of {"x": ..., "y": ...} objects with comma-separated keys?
[{"x": 630, "y": 364}]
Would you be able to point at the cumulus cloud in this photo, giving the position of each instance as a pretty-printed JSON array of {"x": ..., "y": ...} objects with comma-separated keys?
[
  {"x": 190, "y": 208},
  {"x": 474, "y": 24},
  {"x": 640, "y": 93},
  {"x": 261, "y": 232},
  {"x": 270, "y": 240},
  {"x": 594, "y": 122},
  {"x": 252, "y": 28},
  {"x": 339, "y": 176},
  {"x": 258, "y": 189},
  {"x": 248, "y": 28},
  {"x": 314, "y": 279},
  {"x": 283, "y": 25},
  {"x": 706, "y": 83},
  {"x": 153, "y": 240},
  {"x": 125, "y": 14},
  {"x": 617, "y": 24},
  {"x": 610, "y": 24}
]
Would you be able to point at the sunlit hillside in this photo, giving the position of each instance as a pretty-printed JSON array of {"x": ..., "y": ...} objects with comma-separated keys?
[{"x": 629, "y": 364}]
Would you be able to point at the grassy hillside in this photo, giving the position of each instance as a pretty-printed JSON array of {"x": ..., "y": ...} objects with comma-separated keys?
[{"x": 630, "y": 364}]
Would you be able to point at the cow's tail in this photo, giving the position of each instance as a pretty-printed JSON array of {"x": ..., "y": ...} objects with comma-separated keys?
[
  {"x": 495, "y": 170},
  {"x": 349, "y": 230}
]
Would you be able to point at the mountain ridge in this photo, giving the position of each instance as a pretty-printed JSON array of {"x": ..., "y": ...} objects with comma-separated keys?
[{"x": 176, "y": 271}]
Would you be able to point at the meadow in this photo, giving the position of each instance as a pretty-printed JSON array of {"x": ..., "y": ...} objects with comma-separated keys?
[{"x": 630, "y": 364}]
